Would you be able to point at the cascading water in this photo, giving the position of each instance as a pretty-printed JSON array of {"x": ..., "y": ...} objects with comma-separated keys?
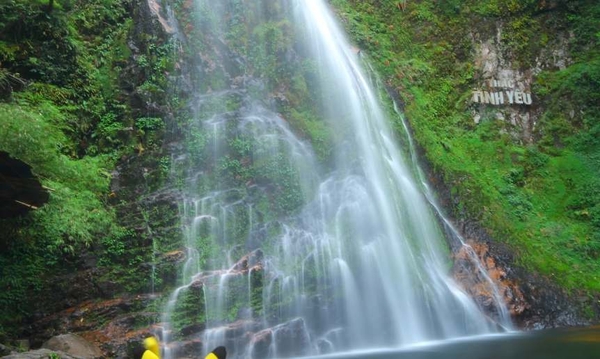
[{"x": 337, "y": 253}]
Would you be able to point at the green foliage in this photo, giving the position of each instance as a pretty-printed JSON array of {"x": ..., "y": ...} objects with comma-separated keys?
[
  {"x": 68, "y": 118},
  {"x": 146, "y": 124},
  {"x": 20, "y": 274},
  {"x": 74, "y": 217},
  {"x": 268, "y": 41},
  {"x": 540, "y": 198},
  {"x": 276, "y": 171},
  {"x": 189, "y": 309},
  {"x": 315, "y": 130},
  {"x": 114, "y": 245}
]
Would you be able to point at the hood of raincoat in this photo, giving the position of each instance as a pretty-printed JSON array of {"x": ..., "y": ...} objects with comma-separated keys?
[{"x": 152, "y": 344}]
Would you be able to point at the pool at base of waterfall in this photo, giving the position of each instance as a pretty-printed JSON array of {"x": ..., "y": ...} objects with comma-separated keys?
[{"x": 571, "y": 343}]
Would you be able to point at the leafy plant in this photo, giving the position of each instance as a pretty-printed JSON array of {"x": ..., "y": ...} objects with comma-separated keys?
[{"x": 517, "y": 191}]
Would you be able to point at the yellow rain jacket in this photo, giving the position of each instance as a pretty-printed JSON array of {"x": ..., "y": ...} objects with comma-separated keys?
[
  {"x": 217, "y": 353},
  {"x": 152, "y": 348}
]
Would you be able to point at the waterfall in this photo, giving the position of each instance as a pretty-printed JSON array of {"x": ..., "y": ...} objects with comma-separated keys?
[{"x": 295, "y": 250}]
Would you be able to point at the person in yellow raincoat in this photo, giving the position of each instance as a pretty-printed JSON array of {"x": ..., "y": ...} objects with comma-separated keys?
[
  {"x": 152, "y": 348},
  {"x": 217, "y": 353}
]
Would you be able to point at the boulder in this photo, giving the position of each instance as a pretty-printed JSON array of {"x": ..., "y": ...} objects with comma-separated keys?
[
  {"x": 250, "y": 262},
  {"x": 186, "y": 349},
  {"x": 260, "y": 344},
  {"x": 4, "y": 350},
  {"x": 291, "y": 339},
  {"x": 73, "y": 344}
]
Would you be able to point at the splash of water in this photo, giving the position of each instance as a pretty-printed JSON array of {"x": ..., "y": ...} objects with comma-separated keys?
[{"x": 349, "y": 256}]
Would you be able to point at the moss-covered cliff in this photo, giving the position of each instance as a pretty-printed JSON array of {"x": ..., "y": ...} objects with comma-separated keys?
[
  {"x": 527, "y": 174},
  {"x": 88, "y": 100},
  {"x": 82, "y": 87}
]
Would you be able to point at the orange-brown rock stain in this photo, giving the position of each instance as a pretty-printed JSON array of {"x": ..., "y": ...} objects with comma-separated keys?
[{"x": 473, "y": 282}]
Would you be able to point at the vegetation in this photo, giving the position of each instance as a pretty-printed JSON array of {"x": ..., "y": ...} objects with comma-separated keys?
[
  {"x": 63, "y": 112},
  {"x": 76, "y": 98},
  {"x": 541, "y": 197}
]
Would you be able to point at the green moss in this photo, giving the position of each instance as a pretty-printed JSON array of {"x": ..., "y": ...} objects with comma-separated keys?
[
  {"x": 189, "y": 309},
  {"x": 531, "y": 196},
  {"x": 71, "y": 122}
]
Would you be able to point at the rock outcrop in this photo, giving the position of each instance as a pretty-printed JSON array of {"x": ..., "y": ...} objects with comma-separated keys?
[
  {"x": 291, "y": 339},
  {"x": 474, "y": 282},
  {"x": 74, "y": 345},
  {"x": 534, "y": 301},
  {"x": 498, "y": 73},
  {"x": 112, "y": 326}
]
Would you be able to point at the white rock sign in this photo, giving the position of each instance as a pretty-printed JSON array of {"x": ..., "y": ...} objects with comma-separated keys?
[{"x": 507, "y": 97}]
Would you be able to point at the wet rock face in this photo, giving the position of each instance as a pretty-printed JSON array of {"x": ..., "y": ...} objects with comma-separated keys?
[
  {"x": 533, "y": 301},
  {"x": 121, "y": 339},
  {"x": 75, "y": 345},
  {"x": 187, "y": 349},
  {"x": 550, "y": 306},
  {"x": 467, "y": 273},
  {"x": 250, "y": 262},
  {"x": 260, "y": 344},
  {"x": 110, "y": 325},
  {"x": 291, "y": 339},
  {"x": 156, "y": 9}
]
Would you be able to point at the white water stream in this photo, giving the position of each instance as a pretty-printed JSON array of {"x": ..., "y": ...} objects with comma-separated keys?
[{"x": 362, "y": 264}]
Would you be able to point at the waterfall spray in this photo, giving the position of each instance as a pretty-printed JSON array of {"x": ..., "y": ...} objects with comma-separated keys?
[{"x": 336, "y": 254}]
